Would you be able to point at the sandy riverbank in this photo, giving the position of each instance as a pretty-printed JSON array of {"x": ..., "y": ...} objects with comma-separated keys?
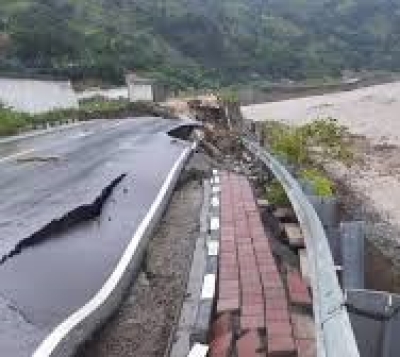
[{"x": 373, "y": 112}]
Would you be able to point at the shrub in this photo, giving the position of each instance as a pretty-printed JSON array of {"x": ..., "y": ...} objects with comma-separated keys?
[
  {"x": 11, "y": 122},
  {"x": 322, "y": 139},
  {"x": 276, "y": 194},
  {"x": 291, "y": 145},
  {"x": 329, "y": 137},
  {"x": 227, "y": 96},
  {"x": 322, "y": 185}
]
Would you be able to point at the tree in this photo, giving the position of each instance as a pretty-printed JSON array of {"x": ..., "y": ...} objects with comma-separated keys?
[{"x": 43, "y": 37}]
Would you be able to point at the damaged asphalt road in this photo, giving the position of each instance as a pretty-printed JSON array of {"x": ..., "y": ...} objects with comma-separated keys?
[{"x": 64, "y": 223}]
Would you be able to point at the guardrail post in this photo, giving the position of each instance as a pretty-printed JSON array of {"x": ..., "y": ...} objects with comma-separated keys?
[
  {"x": 252, "y": 127},
  {"x": 326, "y": 208},
  {"x": 376, "y": 322},
  {"x": 353, "y": 252}
]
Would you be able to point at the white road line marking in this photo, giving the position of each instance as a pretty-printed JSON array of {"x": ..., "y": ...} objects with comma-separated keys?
[
  {"x": 208, "y": 290},
  {"x": 215, "y": 172},
  {"x": 198, "y": 350},
  {"x": 216, "y": 180},
  {"x": 119, "y": 123},
  {"x": 213, "y": 248},
  {"x": 15, "y": 156},
  {"x": 215, "y": 201},
  {"x": 81, "y": 135},
  {"x": 216, "y": 189},
  {"x": 214, "y": 223},
  {"x": 48, "y": 346}
]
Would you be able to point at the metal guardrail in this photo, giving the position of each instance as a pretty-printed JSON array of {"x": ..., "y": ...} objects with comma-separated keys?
[{"x": 335, "y": 336}]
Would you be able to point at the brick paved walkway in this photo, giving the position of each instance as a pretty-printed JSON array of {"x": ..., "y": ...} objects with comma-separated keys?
[{"x": 254, "y": 317}]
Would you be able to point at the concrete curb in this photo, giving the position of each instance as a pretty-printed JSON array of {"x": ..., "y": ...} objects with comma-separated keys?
[
  {"x": 191, "y": 336},
  {"x": 206, "y": 304},
  {"x": 179, "y": 344},
  {"x": 70, "y": 334}
]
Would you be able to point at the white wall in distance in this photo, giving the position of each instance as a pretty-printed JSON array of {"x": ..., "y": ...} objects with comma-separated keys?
[
  {"x": 139, "y": 92},
  {"x": 37, "y": 96}
]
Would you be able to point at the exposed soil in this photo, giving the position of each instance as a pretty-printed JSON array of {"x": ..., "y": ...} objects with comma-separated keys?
[
  {"x": 358, "y": 192},
  {"x": 143, "y": 325},
  {"x": 381, "y": 255}
]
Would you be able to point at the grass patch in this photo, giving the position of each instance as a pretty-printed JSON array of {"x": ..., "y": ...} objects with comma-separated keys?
[{"x": 11, "y": 122}]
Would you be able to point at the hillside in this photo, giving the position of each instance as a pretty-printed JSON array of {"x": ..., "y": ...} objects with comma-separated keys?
[{"x": 199, "y": 42}]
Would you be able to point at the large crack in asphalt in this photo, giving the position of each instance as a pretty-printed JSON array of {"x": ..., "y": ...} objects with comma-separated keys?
[{"x": 82, "y": 213}]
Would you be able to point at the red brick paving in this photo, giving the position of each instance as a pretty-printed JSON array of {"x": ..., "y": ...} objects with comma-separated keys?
[
  {"x": 250, "y": 345},
  {"x": 304, "y": 334},
  {"x": 281, "y": 346},
  {"x": 303, "y": 326},
  {"x": 221, "y": 346},
  {"x": 249, "y": 283},
  {"x": 250, "y": 288},
  {"x": 306, "y": 348},
  {"x": 223, "y": 325},
  {"x": 225, "y": 305},
  {"x": 298, "y": 290},
  {"x": 250, "y": 322},
  {"x": 276, "y": 315},
  {"x": 279, "y": 328}
]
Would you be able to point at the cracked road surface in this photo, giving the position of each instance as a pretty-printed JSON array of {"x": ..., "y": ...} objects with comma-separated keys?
[{"x": 71, "y": 201}]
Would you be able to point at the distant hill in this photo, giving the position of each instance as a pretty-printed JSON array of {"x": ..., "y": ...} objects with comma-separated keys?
[{"x": 199, "y": 42}]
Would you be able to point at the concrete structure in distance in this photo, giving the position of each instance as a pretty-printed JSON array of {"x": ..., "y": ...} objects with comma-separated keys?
[
  {"x": 144, "y": 89},
  {"x": 37, "y": 96}
]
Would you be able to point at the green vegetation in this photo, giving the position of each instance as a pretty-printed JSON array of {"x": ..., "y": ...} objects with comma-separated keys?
[
  {"x": 12, "y": 122},
  {"x": 322, "y": 186},
  {"x": 199, "y": 43},
  {"x": 288, "y": 143},
  {"x": 322, "y": 139},
  {"x": 307, "y": 147},
  {"x": 227, "y": 96},
  {"x": 276, "y": 194},
  {"x": 327, "y": 140},
  {"x": 100, "y": 104}
]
